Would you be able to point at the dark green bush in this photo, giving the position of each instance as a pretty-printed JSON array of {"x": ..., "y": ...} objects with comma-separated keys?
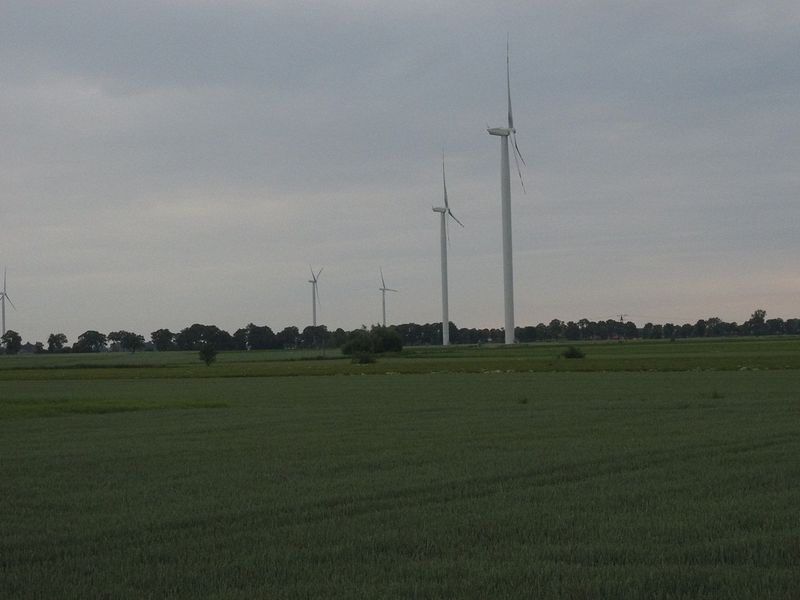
[
  {"x": 208, "y": 353},
  {"x": 364, "y": 359},
  {"x": 375, "y": 341},
  {"x": 573, "y": 352}
]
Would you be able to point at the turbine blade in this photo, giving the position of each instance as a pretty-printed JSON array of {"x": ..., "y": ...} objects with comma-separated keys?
[
  {"x": 9, "y": 301},
  {"x": 390, "y": 290},
  {"x": 383, "y": 283},
  {"x": 508, "y": 85},
  {"x": 444, "y": 183},
  {"x": 519, "y": 172},
  {"x": 320, "y": 270},
  {"x": 450, "y": 212},
  {"x": 312, "y": 273},
  {"x": 516, "y": 148},
  {"x": 4, "y": 279}
]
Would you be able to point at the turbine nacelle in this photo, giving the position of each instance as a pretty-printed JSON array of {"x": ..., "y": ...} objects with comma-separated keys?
[
  {"x": 440, "y": 209},
  {"x": 501, "y": 131}
]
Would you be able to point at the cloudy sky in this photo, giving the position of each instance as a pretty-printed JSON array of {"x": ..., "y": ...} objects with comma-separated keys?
[{"x": 166, "y": 162}]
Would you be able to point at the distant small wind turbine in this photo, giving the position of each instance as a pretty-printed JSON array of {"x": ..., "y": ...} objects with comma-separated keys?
[
  {"x": 3, "y": 298},
  {"x": 314, "y": 295},
  {"x": 383, "y": 290},
  {"x": 505, "y": 193},
  {"x": 445, "y": 211}
]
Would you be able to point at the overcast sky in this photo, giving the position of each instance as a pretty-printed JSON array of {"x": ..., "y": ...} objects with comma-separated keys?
[{"x": 171, "y": 162}]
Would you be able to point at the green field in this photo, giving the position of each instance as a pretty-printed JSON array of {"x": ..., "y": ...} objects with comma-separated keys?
[{"x": 645, "y": 470}]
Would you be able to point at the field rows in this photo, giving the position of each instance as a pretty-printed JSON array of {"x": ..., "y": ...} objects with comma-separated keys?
[
  {"x": 513, "y": 485},
  {"x": 683, "y": 355}
]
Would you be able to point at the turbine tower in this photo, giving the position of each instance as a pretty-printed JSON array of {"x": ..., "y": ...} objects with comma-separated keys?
[
  {"x": 314, "y": 295},
  {"x": 3, "y": 298},
  {"x": 505, "y": 192},
  {"x": 445, "y": 211},
  {"x": 383, "y": 290}
]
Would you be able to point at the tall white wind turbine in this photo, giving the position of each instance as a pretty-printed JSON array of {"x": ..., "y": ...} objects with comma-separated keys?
[
  {"x": 505, "y": 192},
  {"x": 3, "y": 298},
  {"x": 383, "y": 290},
  {"x": 444, "y": 212},
  {"x": 314, "y": 295}
]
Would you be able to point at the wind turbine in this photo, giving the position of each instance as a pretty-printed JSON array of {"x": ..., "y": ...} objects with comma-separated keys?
[
  {"x": 444, "y": 211},
  {"x": 3, "y": 298},
  {"x": 383, "y": 290},
  {"x": 314, "y": 294},
  {"x": 505, "y": 192}
]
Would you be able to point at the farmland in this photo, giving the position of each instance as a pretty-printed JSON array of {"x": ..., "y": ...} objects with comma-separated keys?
[{"x": 658, "y": 470}]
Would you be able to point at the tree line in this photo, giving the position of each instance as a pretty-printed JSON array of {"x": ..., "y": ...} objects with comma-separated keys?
[{"x": 262, "y": 337}]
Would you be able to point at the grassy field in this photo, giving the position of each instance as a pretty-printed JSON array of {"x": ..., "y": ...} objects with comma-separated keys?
[
  {"x": 681, "y": 355},
  {"x": 642, "y": 471}
]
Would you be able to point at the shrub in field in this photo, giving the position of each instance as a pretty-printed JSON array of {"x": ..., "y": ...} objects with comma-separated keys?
[
  {"x": 360, "y": 342},
  {"x": 573, "y": 352},
  {"x": 386, "y": 339},
  {"x": 377, "y": 340},
  {"x": 208, "y": 353},
  {"x": 364, "y": 359}
]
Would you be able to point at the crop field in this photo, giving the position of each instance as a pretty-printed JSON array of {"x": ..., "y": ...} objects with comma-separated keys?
[{"x": 644, "y": 470}]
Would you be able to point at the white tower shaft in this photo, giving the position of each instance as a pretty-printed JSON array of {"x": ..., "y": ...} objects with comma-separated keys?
[
  {"x": 508, "y": 266},
  {"x": 445, "y": 315},
  {"x": 3, "y": 297},
  {"x": 314, "y": 303},
  {"x": 383, "y": 304}
]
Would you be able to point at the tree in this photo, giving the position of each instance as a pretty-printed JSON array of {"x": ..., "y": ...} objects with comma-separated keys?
[
  {"x": 359, "y": 342},
  {"x": 314, "y": 336},
  {"x": 208, "y": 353},
  {"x": 555, "y": 329},
  {"x": 583, "y": 325},
  {"x": 127, "y": 340},
  {"x": 260, "y": 337},
  {"x": 755, "y": 326},
  {"x": 630, "y": 331},
  {"x": 12, "y": 341},
  {"x": 338, "y": 338},
  {"x": 193, "y": 337},
  {"x": 775, "y": 326},
  {"x": 386, "y": 339},
  {"x": 56, "y": 342},
  {"x": 240, "y": 339},
  {"x": 378, "y": 339},
  {"x": 90, "y": 341},
  {"x": 132, "y": 341},
  {"x": 287, "y": 337},
  {"x": 163, "y": 340},
  {"x": 700, "y": 328},
  {"x": 572, "y": 331},
  {"x": 115, "y": 337},
  {"x": 792, "y": 326}
]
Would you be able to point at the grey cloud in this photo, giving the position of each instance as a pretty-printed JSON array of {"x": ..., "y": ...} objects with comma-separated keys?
[{"x": 207, "y": 152}]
